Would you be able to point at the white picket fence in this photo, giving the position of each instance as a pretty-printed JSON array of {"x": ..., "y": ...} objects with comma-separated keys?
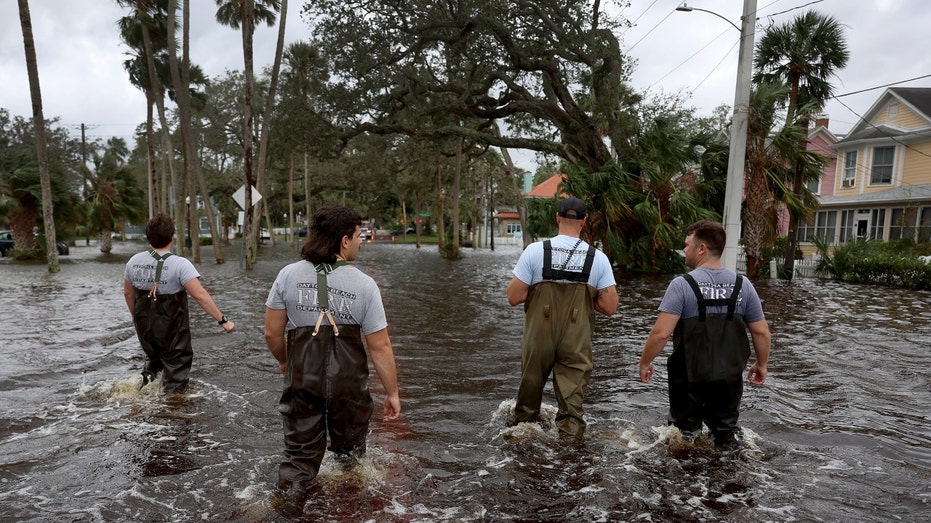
[{"x": 804, "y": 268}]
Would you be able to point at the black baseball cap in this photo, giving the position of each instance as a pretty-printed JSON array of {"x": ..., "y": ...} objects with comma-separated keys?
[{"x": 574, "y": 206}]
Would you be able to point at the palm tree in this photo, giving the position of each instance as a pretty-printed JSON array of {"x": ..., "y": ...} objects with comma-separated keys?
[
  {"x": 804, "y": 54},
  {"x": 180, "y": 77},
  {"x": 147, "y": 19},
  {"x": 35, "y": 92},
  {"x": 244, "y": 14},
  {"x": 772, "y": 153},
  {"x": 641, "y": 209},
  {"x": 21, "y": 190},
  {"x": 114, "y": 196}
]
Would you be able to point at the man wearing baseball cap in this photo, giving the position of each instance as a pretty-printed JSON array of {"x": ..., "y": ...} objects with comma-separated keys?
[{"x": 561, "y": 281}]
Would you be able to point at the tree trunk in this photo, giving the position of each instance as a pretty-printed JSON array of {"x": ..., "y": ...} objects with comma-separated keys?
[
  {"x": 269, "y": 104},
  {"x": 307, "y": 194},
  {"x": 106, "y": 241},
  {"x": 453, "y": 253},
  {"x": 180, "y": 79},
  {"x": 249, "y": 233},
  {"x": 154, "y": 91},
  {"x": 38, "y": 122},
  {"x": 798, "y": 189},
  {"x": 291, "y": 235},
  {"x": 440, "y": 222}
]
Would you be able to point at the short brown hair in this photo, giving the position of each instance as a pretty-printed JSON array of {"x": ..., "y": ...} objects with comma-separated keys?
[
  {"x": 710, "y": 233},
  {"x": 160, "y": 230}
]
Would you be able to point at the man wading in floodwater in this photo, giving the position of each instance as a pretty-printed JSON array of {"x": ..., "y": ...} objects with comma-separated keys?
[
  {"x": 325, "y": 307},
  {"x": 561, "y": 282},
  {"x": 707, "y": 313},
  {"x": 156, "y": 285}
]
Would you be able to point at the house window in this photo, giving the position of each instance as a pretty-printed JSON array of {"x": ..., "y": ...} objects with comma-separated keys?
[
  {"x": 813, "y": 186},
  {"x": 902, "y": 224},
  {"x": 848, "y": 226},
  {"x": 893, "y": 110},
  {"x": 882, "y": 165},
  {"x": 850, "y": 168},
  {"x": 878, "y": 224},
  {"x": 924, "y": 226},
  {"x": 513, "y": 228},
  {"x": 821, "y": 225}
]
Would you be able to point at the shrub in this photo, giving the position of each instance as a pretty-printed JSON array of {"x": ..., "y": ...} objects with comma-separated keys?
[{"x": 894, "y": 264}]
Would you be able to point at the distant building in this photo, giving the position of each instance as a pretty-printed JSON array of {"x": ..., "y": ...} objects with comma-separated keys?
[
  {"x": 509, "y": 220},
  {"x": 879, "y": 185}
]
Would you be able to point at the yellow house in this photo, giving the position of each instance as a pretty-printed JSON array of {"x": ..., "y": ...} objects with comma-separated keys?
[{"x": 882, "y": 180}]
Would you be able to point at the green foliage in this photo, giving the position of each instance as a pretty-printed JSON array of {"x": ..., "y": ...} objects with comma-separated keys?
[
  {"x": 840, "y": 261},
  {"x": 541, "y": 217},
  {"x": 893, "y": 264}
]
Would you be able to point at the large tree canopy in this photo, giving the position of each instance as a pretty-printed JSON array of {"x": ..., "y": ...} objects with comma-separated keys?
[{"x": 551, "y": 69}]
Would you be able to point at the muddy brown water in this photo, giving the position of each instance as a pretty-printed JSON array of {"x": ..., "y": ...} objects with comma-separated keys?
[{"x": 840, "y": 431}]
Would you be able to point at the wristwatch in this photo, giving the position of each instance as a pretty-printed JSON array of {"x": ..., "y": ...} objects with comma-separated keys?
[{"x": 223, "y": 320}]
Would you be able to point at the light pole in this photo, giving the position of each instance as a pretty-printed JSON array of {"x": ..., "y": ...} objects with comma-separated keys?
[{"x": 733, "y": 191}]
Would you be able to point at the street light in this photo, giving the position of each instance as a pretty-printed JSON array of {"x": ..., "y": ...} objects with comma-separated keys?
[
  {"x": 733, "y": 191},
  {"x": 688, "y": 9}
]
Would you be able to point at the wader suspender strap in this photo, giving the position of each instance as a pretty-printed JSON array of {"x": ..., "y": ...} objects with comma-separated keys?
[
  {"x": 549, "y": 273},
  {"x": 323, "y": 299},
  {"x": 160, "y": 259},
  {"x": 703, "y": 303}
]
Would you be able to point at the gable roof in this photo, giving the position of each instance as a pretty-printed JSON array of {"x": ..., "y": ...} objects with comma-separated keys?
[
  {"x": 548, "y": 188},
  {"x": 917, "y": 99}
]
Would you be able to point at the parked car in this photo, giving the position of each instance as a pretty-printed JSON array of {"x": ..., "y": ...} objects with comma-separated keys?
[
  {"x": 6, "y": 243},
  {"x": 401, "y": 231},
  {"x": 366, "y": 233}
]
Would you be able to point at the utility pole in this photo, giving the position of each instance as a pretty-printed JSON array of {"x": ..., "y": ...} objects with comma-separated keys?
[{"x": 733, "y": 192}]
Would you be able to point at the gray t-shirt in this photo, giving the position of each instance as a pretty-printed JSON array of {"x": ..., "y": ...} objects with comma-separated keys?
[
  {"x": 353, "y": 297},
  {"x": 176, "y": 271},
  {"x": 713, "y": 284}
]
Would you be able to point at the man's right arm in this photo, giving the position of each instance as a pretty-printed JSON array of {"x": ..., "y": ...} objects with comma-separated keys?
[
  {"x": 759, "y": 334},
  {"x": 276, "y": 321},
  {"x": 379, "y": 346},
  {"x": 517, "y": 291},
  {"x": 606, "y": 300},
  {"x": 129, "y": 294}
]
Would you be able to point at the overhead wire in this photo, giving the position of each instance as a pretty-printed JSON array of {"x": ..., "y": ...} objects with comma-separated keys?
[{"x": 634, "y": 22}]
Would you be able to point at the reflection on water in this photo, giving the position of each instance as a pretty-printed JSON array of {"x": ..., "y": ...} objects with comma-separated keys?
[{"x": 840, "y": 431}]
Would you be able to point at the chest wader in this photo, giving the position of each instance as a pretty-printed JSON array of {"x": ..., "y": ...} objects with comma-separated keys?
[
  {"x": 705, "y": 370},
  {"x": 164, "y": 331},
  {"x": 325, "y": 392},
  {"x": 558, "y": 325}
]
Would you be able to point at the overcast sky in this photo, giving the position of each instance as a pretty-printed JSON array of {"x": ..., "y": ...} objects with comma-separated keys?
[{"x": 82, "y": 78}]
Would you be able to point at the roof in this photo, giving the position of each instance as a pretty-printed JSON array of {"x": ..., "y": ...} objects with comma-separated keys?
[
  {"x": 906, "y": 195},
  {"x": 918, "y": 99},
  {"x": 507, "y": 215},
  {"x": 548, "y": 188}
]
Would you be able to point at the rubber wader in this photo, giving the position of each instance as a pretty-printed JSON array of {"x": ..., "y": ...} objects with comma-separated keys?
[
  {"x": 325, "y": 393},
  {"x": 558, "y": 325},
  {"x": 164, "y": 332},
  {"x": 705, "y": 370}
]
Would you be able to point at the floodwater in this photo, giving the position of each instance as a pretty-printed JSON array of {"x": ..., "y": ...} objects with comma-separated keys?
[{"x": 840, "y": 431}]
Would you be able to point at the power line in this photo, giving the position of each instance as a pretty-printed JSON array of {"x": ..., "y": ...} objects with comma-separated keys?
[
  {"x": 793, "y": 8},
  {"x": 651, "y": 30},
  {"x": 880, "y": 87},
  {"x": 674, "y": 69},
  {"x": 721, "y": 61},
  {"x": 634, "y": 22}
]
